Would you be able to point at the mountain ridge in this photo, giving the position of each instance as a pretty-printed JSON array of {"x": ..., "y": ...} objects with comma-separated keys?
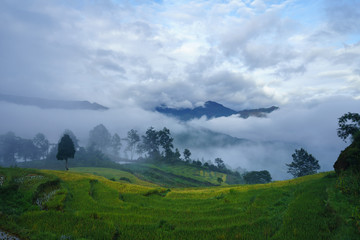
[
  {"x": 212, "y": 109},
  {"x": 51, "y": 104}
]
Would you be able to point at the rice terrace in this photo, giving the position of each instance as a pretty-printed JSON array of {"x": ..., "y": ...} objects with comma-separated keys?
[
  {"x": 47, "y": 204},
  {"x": 179, "y": 120}
]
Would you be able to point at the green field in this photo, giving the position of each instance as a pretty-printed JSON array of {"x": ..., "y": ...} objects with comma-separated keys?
[{"x": 85, "y": 204}]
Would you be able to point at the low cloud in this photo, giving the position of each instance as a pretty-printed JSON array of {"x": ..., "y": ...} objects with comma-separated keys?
[{"x": 268, "y": 142}]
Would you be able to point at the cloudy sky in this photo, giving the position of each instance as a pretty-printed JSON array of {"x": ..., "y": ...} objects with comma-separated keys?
[
  {"x": 300, "y": 55},
  {"x": 240, "y": 53}
]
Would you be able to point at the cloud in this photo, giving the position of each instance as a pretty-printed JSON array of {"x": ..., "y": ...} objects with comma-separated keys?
[
  {"x": 131, "y": 56},
  {"x": 118, "y": 52},
  {"x": 343, "y": 16}
]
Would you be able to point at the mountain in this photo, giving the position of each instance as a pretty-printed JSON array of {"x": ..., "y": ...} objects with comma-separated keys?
[
  {"x": 212, "y": 110},
  {"x": 55, "y": 104},
  {"x": 202, "y": 138}
]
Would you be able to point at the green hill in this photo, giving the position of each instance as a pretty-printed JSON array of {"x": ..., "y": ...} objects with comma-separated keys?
[{"x": 83, "y": 204}]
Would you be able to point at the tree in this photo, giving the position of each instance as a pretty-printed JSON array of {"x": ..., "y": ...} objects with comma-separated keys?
[
  {"x": 42, "y": 144},
  {"x": 73, "y": 138},
  {"x": 66, "y": 149},
  {"x": 9, "y": 147},
  {"x": 187, "y": 155},
  {"x": 27, "y": 149},
  {"x": 349, "y": 124},
  {"x": 116, "y": 144},
  {"x": 133, "y": 140},
  {"x": 100, "y": 138},
  {"x": 165, "y": 141},
  {"x": 255, "y": 177},
  {"x": 151, "y": 143},
  {"x": 177, "y": 155},
  {"x": 220, "y": 180},
  {"x": 220, "y": 163},
  {"x": 303, "y": 164}
]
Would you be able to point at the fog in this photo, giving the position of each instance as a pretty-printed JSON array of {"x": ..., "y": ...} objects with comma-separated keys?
[{"x": 269, "y": 141}]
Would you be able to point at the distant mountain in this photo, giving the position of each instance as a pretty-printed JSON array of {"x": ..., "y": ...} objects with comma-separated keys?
[
  {"x": 212, "y": 110},
  {"x": 205, "y": 138},
  {"x": 55, "y": 104}
]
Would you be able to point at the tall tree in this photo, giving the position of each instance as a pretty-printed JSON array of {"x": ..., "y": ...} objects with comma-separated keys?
[
  {"x": 220, "y": 163},
  {"x": 166, "y": 142},
  {"x": 187, "y": 155},
  {"x": 27, "y": 149},
  {"x": 349, "y": 124},
  {"x": 73, "y": 138},
  {"x": 151, "y": 143},
  {"x": 133, "y": 140},
  {"x": 116, "y": 144},
  {"x": 66, "y": 149},
  {"x": 177, "y": 155},
  {"x": 42, "y": 144},
  {"x": 100, "y": 138},
  {"x": 303, "y": 164},
  {"x": 9, "y": 147}
]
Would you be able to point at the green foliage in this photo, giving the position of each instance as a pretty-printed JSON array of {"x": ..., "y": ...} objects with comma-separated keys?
[
  {"x": 66, "y": 149},
  {"x": 303, "y": 164},
  {"x": 255, "y": 177},
  {"x": 349, "y": 183},
  {"x": 96, "y": 208},
  {"x": 349, "y": 159},
  {"x": 349, "y": 124}
]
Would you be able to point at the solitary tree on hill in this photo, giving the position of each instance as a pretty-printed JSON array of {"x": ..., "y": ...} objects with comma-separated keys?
[
  {"x": 66, "y": 149},
  {"x": 303, "y": 164},
  {"x": 255, "y": 177}
]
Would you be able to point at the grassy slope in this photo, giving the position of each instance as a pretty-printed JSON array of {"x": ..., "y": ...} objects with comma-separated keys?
[
  {"x": 93, "y": 207},
  {"x": 114, "y": 174},
  {"x": 175, "y": 175}
]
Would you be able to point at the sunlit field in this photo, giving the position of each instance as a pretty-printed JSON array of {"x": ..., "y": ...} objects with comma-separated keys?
[{"x": 45, "y": 204}]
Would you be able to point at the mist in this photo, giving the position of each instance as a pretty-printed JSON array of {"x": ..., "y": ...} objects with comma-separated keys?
[{"x": 267, "y": 142}]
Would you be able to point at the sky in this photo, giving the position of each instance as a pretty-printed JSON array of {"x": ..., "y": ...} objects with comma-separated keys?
[{"x": 131, "y": 56}]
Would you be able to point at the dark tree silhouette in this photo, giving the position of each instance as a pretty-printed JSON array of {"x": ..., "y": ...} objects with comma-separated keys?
[
  {"x": 302, "y": 164},
  {"x": 166, "y": 142},
  {"x": 187, "y": 155},
  {"x": 220, "y": 180},
  {"x": 220, "y": 163},
  {"x": 255, "y": 177},
  {"x": 66, "y": 149},
  {"x": 151, "y": 143},
  {"x": 349, "y": 124}
]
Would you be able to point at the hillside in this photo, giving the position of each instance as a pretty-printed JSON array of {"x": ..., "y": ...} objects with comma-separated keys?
[
  {"x": 47, "y": 204},
  {"x": 177, "y": 174}
]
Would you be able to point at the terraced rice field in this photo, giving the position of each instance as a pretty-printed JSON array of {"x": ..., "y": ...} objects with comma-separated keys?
[{"x": 87, "y": 206}]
